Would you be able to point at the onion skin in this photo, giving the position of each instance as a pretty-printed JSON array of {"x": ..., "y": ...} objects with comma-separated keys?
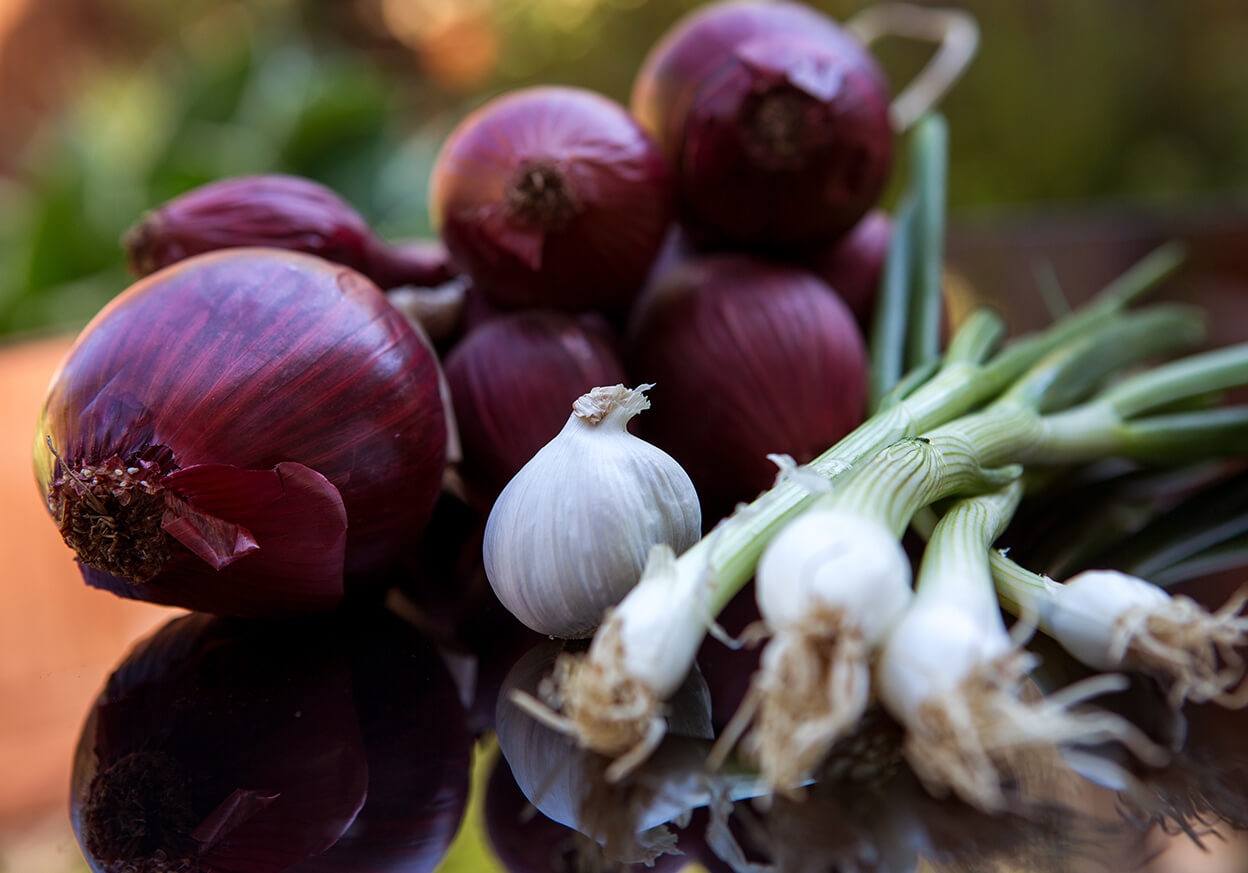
[
  {"x": 775, "y": 122},
  {"x": 748, "y": 358},
  {"x": 552, "y": 197},
  {"x": 854, "y": 264},
  {"x": 513, "y": 380},
  {"x": 285, "y": 418},
  {"x": 278, "y": 211}
]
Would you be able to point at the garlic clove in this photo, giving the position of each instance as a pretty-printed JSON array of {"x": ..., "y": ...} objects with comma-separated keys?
[{"x": 570, "y": 533}]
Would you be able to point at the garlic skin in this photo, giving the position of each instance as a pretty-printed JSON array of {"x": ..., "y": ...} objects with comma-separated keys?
[{"x": 570, "y": 533}]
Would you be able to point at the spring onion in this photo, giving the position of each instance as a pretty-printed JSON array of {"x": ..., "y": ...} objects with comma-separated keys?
[
  {"x": 952, "y": 674},
  {"x": 1111, "y": 620}
]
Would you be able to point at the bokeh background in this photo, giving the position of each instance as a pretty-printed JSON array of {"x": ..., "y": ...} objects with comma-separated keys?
[
  {"x": 108, "y": 107},
  {"x": 111, "y": 106}
]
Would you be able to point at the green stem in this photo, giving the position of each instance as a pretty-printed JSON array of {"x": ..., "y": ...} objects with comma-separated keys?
[
  {"x": 1019, "y": 590},
  {"x": 1145, "y": 275},
  {"x": 1068, "y": 375},
  {"x": 1180, "y": 380},
  {"x": 888, "y": 327},
  {"x": 728, "y": 555},
  {"x": 929, "y": 159},
  {"x": 978, "y": 337},
  {"x": 956, "y": 563}
]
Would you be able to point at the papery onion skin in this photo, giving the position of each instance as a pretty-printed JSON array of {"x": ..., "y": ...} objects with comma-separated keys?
[
  {"x": 775, "y": 122},
  {"x": 513, "y": 380},
  {"x": 552, "y": 197},
  {"x": 293, "y": 417},
  {"x": 698, "y": 43},
  {"x": 748, "y": 358},
  {"x": 280, "y": 211}
]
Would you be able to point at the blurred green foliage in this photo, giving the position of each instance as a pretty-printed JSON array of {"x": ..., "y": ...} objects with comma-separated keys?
[{"x": 1067, "y": 100}]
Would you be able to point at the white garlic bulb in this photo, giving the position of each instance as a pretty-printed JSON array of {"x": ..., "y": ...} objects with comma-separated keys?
[{"x": 569, "y": 535}]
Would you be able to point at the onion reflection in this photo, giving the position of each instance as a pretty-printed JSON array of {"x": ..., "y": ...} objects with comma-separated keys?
[{"x": 254, "y": 747}]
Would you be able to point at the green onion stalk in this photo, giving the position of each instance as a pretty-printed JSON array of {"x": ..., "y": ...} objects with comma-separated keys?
[
  {"x": 832, "y": 584},
  {"x": 1111, "y": 620},
  {"x": 611, "y": 696},
  {"x": 952, "y": 675}
]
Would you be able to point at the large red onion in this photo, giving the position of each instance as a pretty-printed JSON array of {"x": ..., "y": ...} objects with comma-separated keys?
[
  {"x": 279, "y": 211},
  {"x": 748, "y": 358},
  {"x": 513, "y": 380},
  {"x": 554, "y": 197},
  {"x": 235, "y": 432},
  {"x": 775, "y": 121}
]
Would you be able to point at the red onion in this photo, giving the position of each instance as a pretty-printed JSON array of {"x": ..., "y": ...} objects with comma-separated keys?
[
  {"x": 235, "y": 432},
  {"x": 774, "y": 119},
  {"x": 552, "y": 197},
  {"x": 280, "y": 211},
  {"x": 853, "y": 264},
  {"x": 748, "y": 358},
  {"x": 513, "y": 381}
]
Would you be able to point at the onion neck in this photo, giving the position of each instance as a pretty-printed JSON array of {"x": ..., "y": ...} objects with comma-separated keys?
[
  {"x": 540, "y": 196},
  {"x": 110, "y": 514},
  {"x": 138, "y": 816}
]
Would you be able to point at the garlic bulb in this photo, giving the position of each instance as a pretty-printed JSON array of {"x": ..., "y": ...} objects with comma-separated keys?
[{"x": 569, "y": 534}]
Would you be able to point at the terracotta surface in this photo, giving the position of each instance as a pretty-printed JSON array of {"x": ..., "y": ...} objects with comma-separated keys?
[{"x": 58, "y": 639}]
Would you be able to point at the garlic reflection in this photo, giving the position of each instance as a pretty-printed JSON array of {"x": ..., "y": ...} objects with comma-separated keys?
[
  {"x": 628, "y": 817},
  {"x": 569, "y": 535}
]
